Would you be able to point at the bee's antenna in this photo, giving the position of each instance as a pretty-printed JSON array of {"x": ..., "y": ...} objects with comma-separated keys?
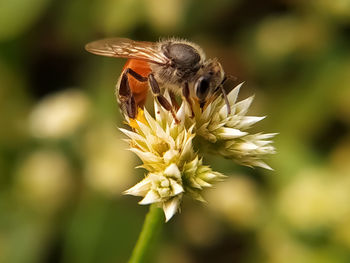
[
  {"x": 227, "y": 80},
  {"x": 223, "y": 91}
]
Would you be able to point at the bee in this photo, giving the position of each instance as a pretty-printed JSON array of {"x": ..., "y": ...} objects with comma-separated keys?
[{"x": 177, "y": 65}]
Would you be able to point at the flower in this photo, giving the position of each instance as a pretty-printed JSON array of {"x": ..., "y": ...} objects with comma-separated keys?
[
  {"x": 101, "y": 171},
  {"x": 166, "y": 151},
  {"x": 226, "y": 133},
  {"x": 44, "y": 180},
  {"x": 59, "y": 115},
  {"x": 163, "y": 187},
  {"x": 167, "y": 148},
  {"x": 160, "y": 142},
  {"x": 197, "y": 176}
]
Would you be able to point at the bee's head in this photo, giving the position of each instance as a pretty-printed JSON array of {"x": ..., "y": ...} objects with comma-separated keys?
[{"x": 209, "y": 80}]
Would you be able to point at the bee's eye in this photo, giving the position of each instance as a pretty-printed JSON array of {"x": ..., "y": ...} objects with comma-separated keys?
[{"x": 202, "y": 88}]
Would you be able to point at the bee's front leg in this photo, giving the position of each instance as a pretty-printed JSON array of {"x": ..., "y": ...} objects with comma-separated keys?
[
  {"x": 161, "y": 99},
  {"x": 173, "y": 100}
]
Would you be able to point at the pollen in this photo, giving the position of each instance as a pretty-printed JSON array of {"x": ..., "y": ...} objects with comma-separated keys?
[{"x": 140, "y": 117}]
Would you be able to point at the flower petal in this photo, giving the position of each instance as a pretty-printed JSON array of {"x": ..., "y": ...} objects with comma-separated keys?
[
  {"x": 170, "y": 207},
  {"x": 140, "y": 189},
  {"x": 230, "y": 133},
  {"x": 172, "y": 171},
  {"x": 150, "y": 198},
  {"x": 177, "y": 188},
  {"x": 242, "y": 107},
  {"x": 232, "y": 96},
  {"x": 248, "y": 121}
]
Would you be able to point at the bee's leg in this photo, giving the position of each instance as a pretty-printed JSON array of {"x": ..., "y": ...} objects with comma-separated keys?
[
  {"x": 136, "y": 75},
  {"x": 173, "y": 100},
  {"x": 161, "y": 99},
  {"x": 125, "y": 95},
  {"x": 186, "y": 94},
  {"x": 126, "y": 98}
]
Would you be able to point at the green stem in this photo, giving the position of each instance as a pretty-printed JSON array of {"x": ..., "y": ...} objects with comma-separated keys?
[{"x": 150, "y": 229}]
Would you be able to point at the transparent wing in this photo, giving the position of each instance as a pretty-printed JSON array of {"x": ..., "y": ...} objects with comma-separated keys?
[{"x": 127, "y": 48}]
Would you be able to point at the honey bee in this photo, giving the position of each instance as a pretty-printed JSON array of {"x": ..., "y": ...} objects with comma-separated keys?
[{"x": 178, "y": 65}]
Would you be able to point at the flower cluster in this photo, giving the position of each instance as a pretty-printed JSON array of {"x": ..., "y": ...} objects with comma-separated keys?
[
  {"x": 226, "y": 134},
  {"x": 166, "y": 148}
]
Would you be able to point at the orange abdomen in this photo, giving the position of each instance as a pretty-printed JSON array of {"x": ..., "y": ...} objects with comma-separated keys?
[{"x": 138, "y": 89}]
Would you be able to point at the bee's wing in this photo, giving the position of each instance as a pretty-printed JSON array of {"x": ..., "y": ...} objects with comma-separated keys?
[{"x": 127, "y": 48}]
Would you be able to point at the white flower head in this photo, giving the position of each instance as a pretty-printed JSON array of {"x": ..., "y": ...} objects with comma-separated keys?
[
  {"x": 166, "y": 151},
  {"x": 59, "y": 115},
  {"x": 226, "y": 133},
  {"x": 160, "y": 142},
  {"x": 197, "y": 176},
  {"x": 166, "y": 148},
  {"x": 165, "y": 187}
]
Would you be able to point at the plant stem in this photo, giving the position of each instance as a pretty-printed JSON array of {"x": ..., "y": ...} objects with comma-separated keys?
[{"x": 150, "y": 229}]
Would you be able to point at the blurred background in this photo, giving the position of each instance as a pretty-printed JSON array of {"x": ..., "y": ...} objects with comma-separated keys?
[{"x": 63, "y": 163}]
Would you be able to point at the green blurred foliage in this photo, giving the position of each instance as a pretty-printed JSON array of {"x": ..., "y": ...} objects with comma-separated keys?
[{"x": 63, "y": 165}]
